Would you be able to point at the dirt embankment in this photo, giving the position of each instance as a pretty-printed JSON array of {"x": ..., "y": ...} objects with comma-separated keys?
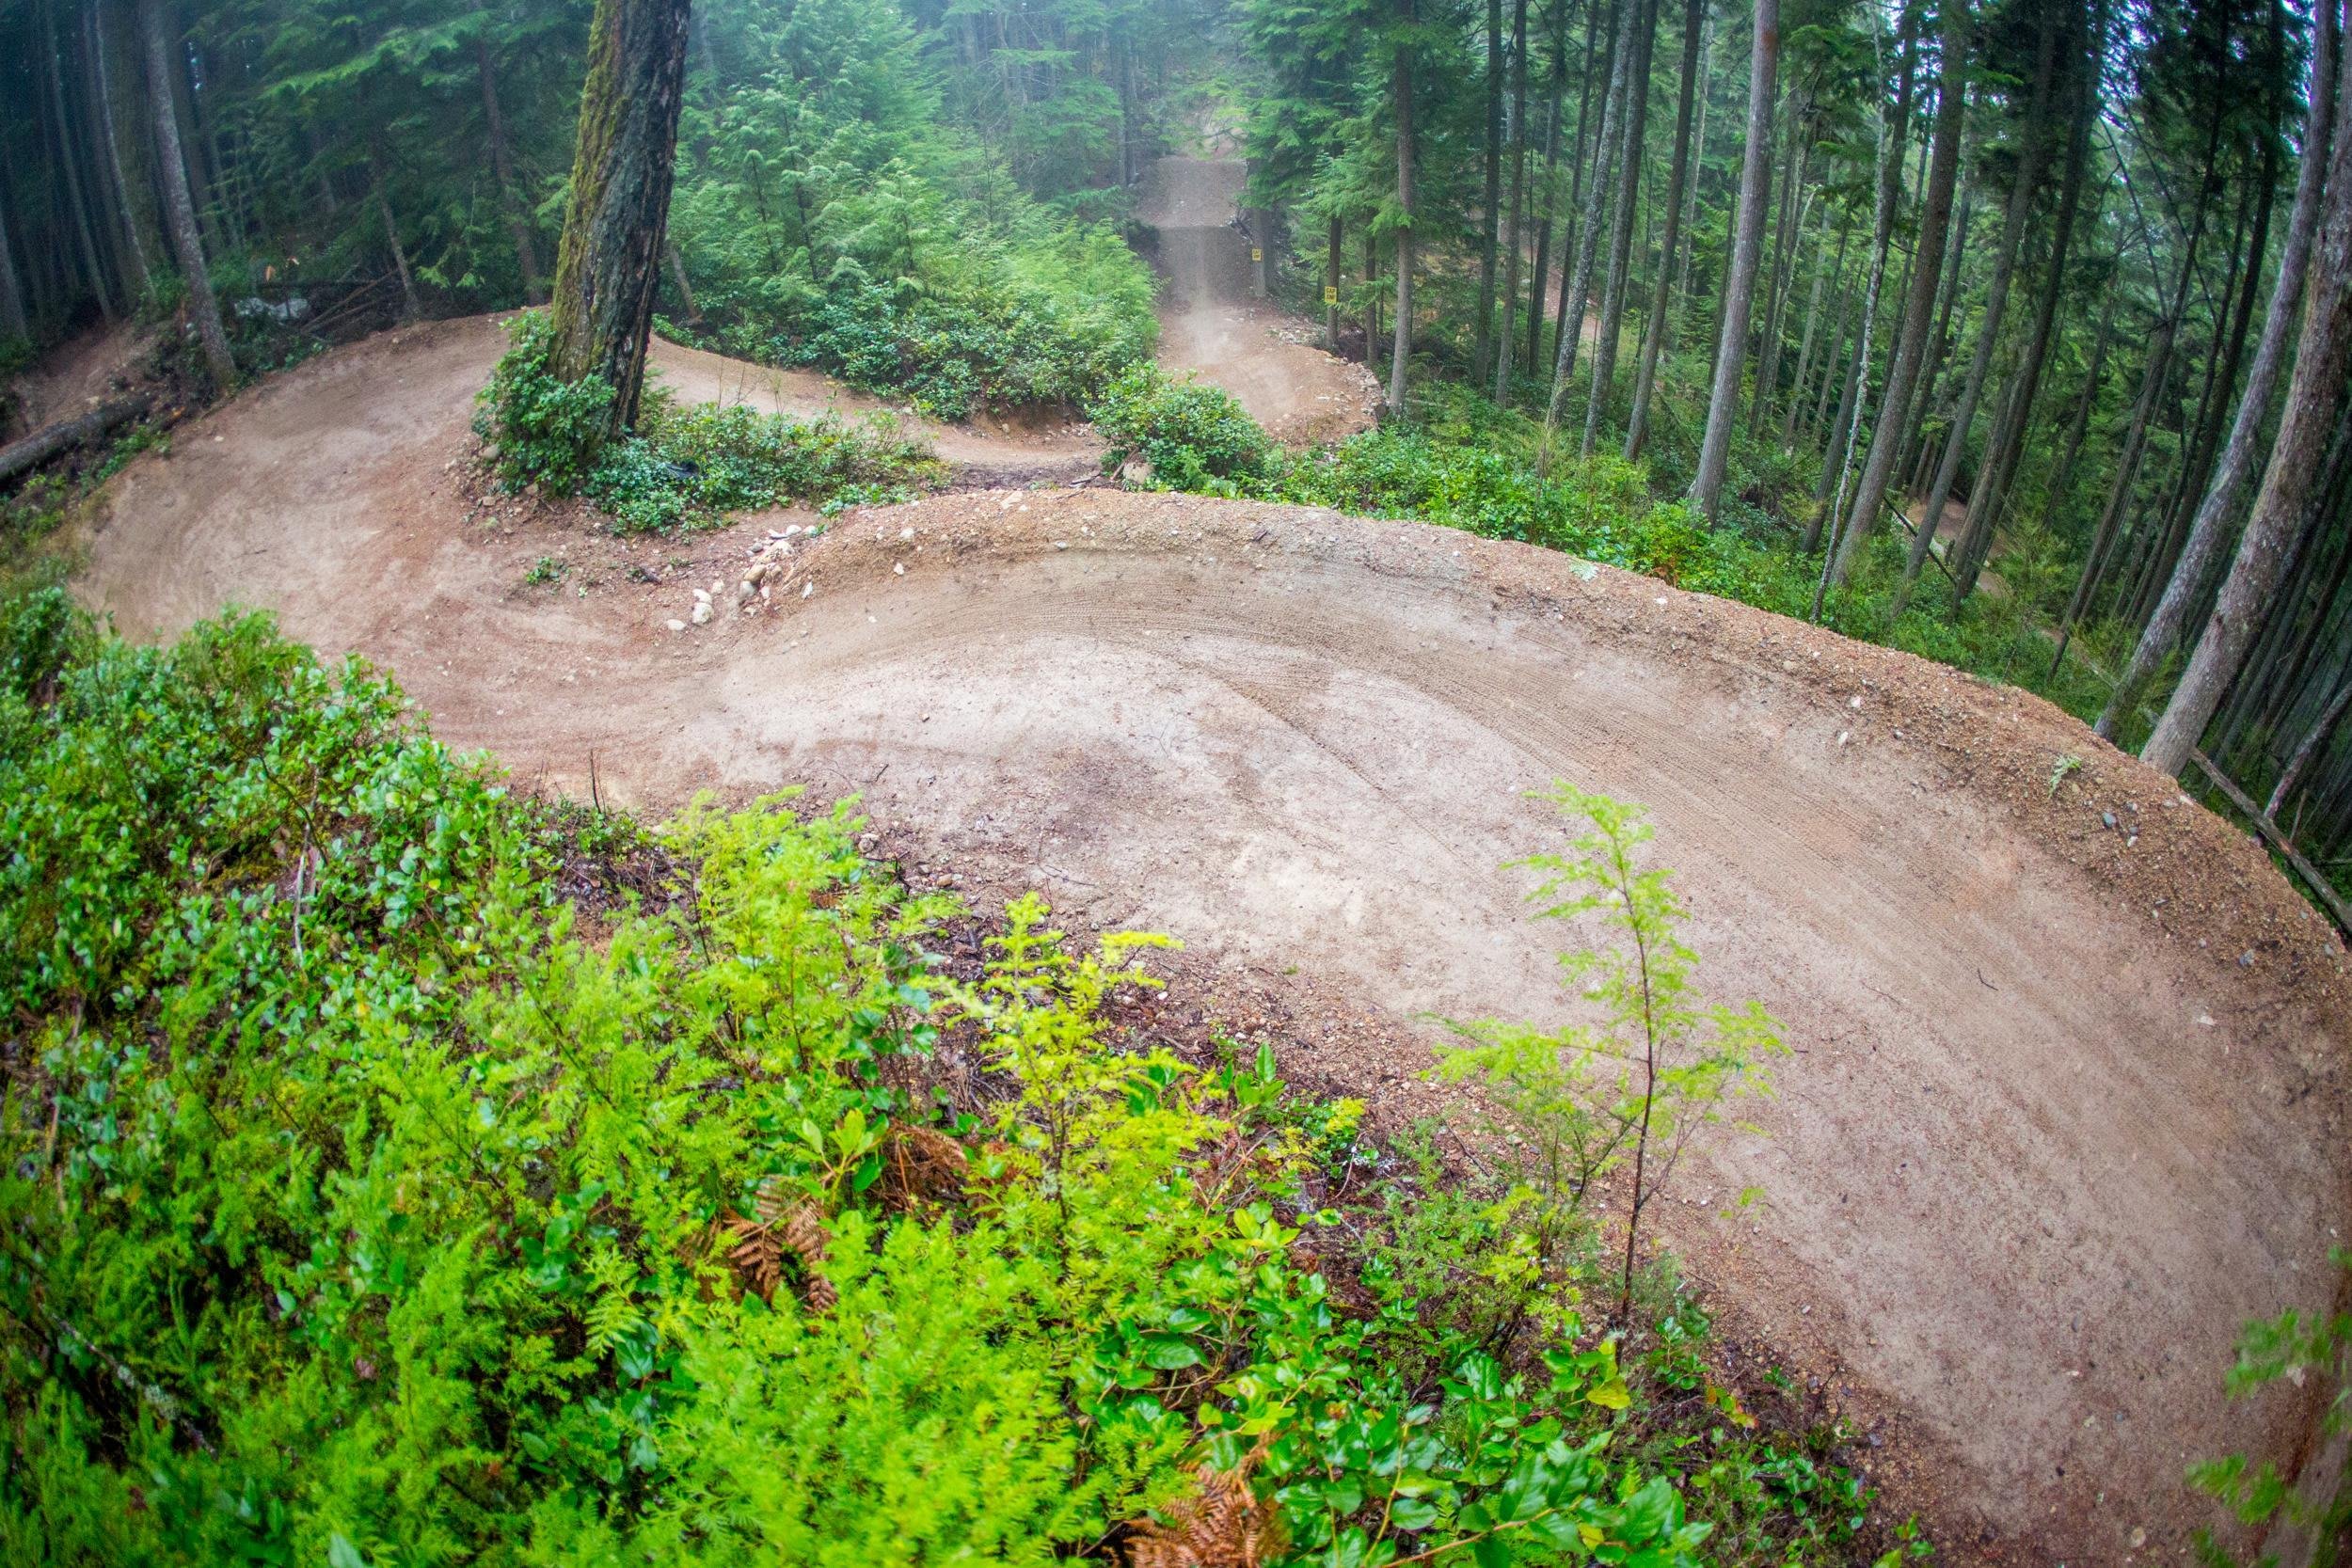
[{"x": 2065, "y": 1104}]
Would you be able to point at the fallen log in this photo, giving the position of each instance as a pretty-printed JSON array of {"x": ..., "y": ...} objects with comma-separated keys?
[
  {"x": 2277, "y": 835},
  {"x": 46, "y": 442}
]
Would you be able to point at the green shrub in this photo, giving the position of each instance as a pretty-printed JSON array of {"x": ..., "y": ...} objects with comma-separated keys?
[
  {"x": 544, "y": 429},
  {"x": 682, "y": 465},
  {"x": 1194, "y": 435}
]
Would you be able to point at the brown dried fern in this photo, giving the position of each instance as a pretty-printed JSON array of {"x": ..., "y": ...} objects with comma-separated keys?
[
  {"x": 1222, "y": 1525},
  {"x": 921, "y": 1165},
  {"x": 782, "y": 1229}
]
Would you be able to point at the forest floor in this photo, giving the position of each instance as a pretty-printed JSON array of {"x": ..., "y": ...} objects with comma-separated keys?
[{"x": 2065, "y": 1105}]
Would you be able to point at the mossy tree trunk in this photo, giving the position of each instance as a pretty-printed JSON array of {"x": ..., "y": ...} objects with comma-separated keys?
[{"x": 615, "y": 226}]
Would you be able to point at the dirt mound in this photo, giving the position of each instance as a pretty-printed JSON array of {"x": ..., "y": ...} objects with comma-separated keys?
[
  {"x": 2066, "y": 1101},
  {"x": 1211, "y": 322}
]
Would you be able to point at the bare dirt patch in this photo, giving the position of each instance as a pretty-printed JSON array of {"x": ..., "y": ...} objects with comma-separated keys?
[{"x": 2066, "y": 1101}]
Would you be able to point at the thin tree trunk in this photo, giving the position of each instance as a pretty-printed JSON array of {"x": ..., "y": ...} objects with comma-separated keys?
[
  {"x": 1635, "y": 114},
  {"x": 1680, "y": 303},
  {"x": 1654, "y": 330},
  {"x": 1833, "y": 264},
  {"x": 409, "y": 307},
  {"x": 70, "y": 165},
  {"x": 1371, "y": 299},
  {"x": 2314, "y": 744},
  {"x": 1739, "y": 286},
  {"x": 203, "y": 310},
  {"x": 2020, "y": 207},
  {"x": 676, "y": 261},
  {"x": 1490, "y": 213},
  {"x": 130, "y": 170},
  {"x": 608, "y": 268},
  {"x": 2207, "y": 534},
  {"x": 501, "y": 164},
  {"x": 1541, "y": 282},
  {"x": 2322, "y": 360},
  {"x": 1785, "y": 249},
  {"x": 1331, "y": 264},
  {"x": 1401, "y": 350},
  {"x": 1505, "y": 338},
  {"x": 1910, "y": 351},
  {"x": 1576, "y": 297},
  {"x": 13, "y": 321},
  {"x": 1576, "y": 235},
  {"x": 1894, "y": 127}
]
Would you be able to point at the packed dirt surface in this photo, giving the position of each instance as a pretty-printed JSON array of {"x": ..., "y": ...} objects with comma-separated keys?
[
  {"x": 1213, "y": 322},
  {"x": 2065, "y": 1104}
]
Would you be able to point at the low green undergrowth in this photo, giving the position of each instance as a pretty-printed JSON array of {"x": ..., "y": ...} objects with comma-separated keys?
[
  {"x": 386, "y": 1182},
  {"x": 1191, "y": 435},
  {"x": 1043, "y": 317},
  {"x": 682, "y": 465},
  {"x": 1465, "y": 465}
]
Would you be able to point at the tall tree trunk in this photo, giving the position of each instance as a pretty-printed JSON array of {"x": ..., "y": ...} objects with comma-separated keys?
[
  {"x": 1679, "y": 304},
  {"x": 1490, "y": 211},
  {"x": 1583, "y": 203},
  {"x": 1540, "y": 282},
  {"x": 1372, "y": 297},
  {"x": 1831, "y": 265},
  {"x": 1575, "y": 296},
  {"x": 1401, "y": 350},
  {"x": 1505, "y": 338},
  {"x": 172, "y": 162},
  {"x": 677, "y": 259},
  {"x": 1786, "y": 235},
  {"x": 1654, "y": 329},
  {"x": 70, "y": 165},
  {"x": 1740, "y": 287},
  {"x": 1636, "y": 118},
  {"x": 501, "y": 165},
  {"x": 2322, "y": 360},
  {"x": 2007, "y": 447},
  {"x": 410, "y": 306},
  {"x": 13, "y": 320},
  {"x": 608, "y": 269},
  {"x": 2208, "y": 534},
  {"x": 2155, "y": 377},
  {"x": 1908, "y": 456},
  {"x": 1910, "y": 350},
  {"x": 2314, "y": 744},
  {"x": 1331, "y": 264},
  {"x": 131, "y": 186},
  {"x": 1894, "y": 128},
  {"x": 2020, "y": 207}
]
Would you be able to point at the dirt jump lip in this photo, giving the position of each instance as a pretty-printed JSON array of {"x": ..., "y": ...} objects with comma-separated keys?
[{"x": 2066, "y": 1105}]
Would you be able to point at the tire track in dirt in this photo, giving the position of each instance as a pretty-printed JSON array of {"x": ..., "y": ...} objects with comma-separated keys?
[{"x": 2046, "y": 1140}]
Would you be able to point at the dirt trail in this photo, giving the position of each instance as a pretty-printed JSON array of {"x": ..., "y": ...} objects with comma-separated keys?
[
  {"x": 1211, "y": 323},
  {"x": 2067, "y": 1098},
  {"x": 995, "y": 451}
]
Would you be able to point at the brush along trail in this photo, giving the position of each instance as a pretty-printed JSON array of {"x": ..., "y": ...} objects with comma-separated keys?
[{"x": 2066, "y": 1099}]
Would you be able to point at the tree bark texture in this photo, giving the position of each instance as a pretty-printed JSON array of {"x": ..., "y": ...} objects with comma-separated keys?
[
  {"x": 1723, "y": 406},
  {"x": 608, "y": 269}
]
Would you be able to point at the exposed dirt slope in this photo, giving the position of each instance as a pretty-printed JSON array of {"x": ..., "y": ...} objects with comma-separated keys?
[
  {"x": 2067, "y": 1098},
  {"x": 1213, "y": 323}
]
